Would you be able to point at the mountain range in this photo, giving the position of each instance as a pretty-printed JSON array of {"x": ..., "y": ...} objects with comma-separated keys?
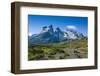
[{"x": 50, "y": 35}]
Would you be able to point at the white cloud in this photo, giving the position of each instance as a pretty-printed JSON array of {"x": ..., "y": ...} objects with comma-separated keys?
[
  {"x": 71, "y": 27},
  {"x": 30, "y": 34}
]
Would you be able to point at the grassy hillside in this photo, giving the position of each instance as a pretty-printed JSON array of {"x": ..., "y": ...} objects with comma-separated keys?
[{"x": 63, "y": 50}]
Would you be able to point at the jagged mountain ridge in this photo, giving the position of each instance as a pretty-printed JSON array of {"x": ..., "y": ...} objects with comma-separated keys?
[{"x": 49, "y": 35}]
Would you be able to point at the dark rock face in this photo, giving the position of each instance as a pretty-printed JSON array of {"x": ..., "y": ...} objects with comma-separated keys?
[{"x": 50, "y": 30}]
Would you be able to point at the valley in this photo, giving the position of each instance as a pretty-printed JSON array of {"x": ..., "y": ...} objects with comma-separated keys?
[{"x": 72, "y": 49}]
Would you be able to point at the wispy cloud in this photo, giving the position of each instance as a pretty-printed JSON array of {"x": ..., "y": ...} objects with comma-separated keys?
[
  {"x": 71, "y": 27},
  {"x": 30, "y": 34}
]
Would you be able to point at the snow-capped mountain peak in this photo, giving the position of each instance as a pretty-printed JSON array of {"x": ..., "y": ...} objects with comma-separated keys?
[{"x": 48, "y": 35}]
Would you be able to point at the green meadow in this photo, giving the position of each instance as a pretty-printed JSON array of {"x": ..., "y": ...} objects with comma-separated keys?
[{"x": 71, "y": 49}]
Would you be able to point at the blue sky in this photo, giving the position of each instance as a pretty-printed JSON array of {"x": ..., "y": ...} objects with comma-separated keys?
[{"x": 36, "y": 22}]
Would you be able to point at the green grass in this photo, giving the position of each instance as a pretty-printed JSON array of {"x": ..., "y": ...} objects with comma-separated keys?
[{"x": 63, "y": 50}]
